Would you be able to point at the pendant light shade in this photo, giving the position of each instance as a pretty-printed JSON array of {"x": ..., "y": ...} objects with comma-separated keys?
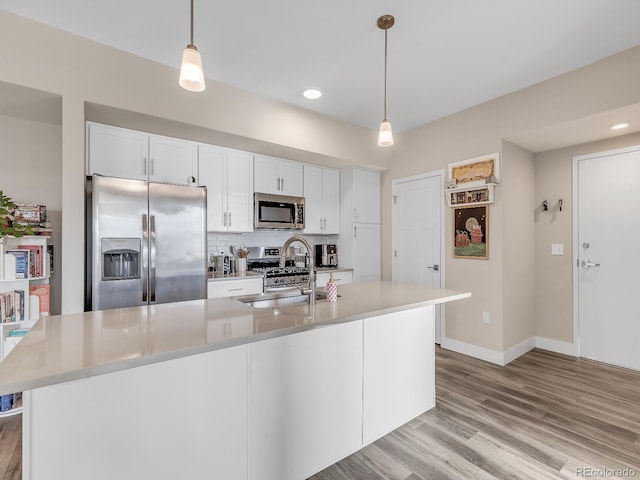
[
  {"x": 385, "y": 136},
  {"x": 191, "y": 73}
]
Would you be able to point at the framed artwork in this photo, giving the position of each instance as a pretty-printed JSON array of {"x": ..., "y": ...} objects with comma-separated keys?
[
  {"x": 470, "y": 232},
  {"x": 476, "y": 171}
]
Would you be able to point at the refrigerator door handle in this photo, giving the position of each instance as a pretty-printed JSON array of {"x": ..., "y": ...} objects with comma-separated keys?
[
  {"x": 152, "y": 257},
  {"x": 145, "y": 256}
]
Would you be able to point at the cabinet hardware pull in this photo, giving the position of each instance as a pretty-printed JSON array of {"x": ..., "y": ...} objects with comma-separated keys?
[
  {"x": 355, "y": 232},
  {"x": 224, "y": 221},
  {"x": 229, "y": 218},
  {"x": 152, "y": 169},
  {"x": 144, "y": 165}
]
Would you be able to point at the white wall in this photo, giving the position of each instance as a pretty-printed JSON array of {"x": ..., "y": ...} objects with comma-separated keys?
[{"x": 31, "y": 172}]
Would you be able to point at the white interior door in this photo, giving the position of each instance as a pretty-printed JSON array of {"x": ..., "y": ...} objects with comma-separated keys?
[
  {"x": 417, "y": 233},
  {"x": 607, "y": 263}
]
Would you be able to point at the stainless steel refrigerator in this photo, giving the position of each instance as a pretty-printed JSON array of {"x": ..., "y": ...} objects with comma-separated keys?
[{"x": 146, "y": 243}]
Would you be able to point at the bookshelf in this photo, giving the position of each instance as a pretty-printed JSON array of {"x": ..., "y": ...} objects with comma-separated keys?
[{"x": 25, "y": 304}]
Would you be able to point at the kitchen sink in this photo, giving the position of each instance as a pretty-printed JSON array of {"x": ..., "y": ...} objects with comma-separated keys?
[{"x": 271, "y": 300}]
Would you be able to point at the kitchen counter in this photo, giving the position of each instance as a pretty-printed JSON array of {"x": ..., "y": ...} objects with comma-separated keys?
[
  {"x": 69, "y": 347},
  {"x": 333, "y": 269},
  {"x": 233, "y": 276}
]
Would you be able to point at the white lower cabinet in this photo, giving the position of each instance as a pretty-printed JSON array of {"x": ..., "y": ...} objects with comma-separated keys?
[
  {"x": 306, "y": 402},
  {"x": 184, "y": 418},
  {"x": 399, "y": 372},
  {"x": 234, "y": 288},
  {"x": 341, "y": 278},
  {"x": 277, "y": 409}
]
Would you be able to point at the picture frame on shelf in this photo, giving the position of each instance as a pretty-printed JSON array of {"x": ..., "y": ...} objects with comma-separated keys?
[
  {"x": 476, "y": 171},
  {"x": 471, "y": 232},
  {"x": 459, "y": 197}
]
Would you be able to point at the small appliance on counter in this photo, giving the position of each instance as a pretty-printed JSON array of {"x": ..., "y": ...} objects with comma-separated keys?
[{"x": 326, "y": 255}]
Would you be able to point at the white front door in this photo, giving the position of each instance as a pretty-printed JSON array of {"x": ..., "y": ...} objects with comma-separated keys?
[
  {"x": 417, "y": 233},
  {"x": 607, "y": 259}
]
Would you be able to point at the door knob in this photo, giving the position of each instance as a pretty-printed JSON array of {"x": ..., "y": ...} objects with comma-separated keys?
[
  {"x": 589, "y": 264},
  {"x": 435, "y": 267}
]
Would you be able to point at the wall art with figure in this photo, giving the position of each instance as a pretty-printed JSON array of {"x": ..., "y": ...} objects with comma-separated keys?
[{"x": 470, "y": 232}]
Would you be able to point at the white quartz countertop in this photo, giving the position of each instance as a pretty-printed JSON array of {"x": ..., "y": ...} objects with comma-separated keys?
[{"x": 73, "y": 346}]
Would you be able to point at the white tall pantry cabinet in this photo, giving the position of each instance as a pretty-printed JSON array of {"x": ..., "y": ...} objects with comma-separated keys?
[{"x": 359, "y": 240}]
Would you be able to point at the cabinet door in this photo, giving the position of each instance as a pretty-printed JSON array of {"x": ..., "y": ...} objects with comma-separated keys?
[
  {"x": 340, "y": 278},
  {"x": 117, "y": 152},
  {"x": 212, "y": 174},
  {"x": 313, "y": 193},
  {"x": 290, "y": 174},
  {"x": 331, "y": 200},
  {"x": 366, "y": 196},
  {"x": 239, "y": 191},
  {"x": 366, "y": 251},
  {"x": 265, "y": 174},
  {"x": 305, "y": 406},
  {"x": 173, "y": 160},
  {"x": 399, "y": 371}
]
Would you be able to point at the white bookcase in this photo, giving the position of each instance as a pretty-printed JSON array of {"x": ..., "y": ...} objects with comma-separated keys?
[{"x": 8, "y": 283}]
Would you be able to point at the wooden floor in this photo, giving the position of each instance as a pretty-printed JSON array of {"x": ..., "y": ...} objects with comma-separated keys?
[{"x": 543, "y": 416}]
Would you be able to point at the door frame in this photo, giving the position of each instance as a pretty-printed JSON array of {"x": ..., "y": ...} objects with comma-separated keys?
[
  {"x": 421, "y": 176},
  {"x": 576, "y": 231}
]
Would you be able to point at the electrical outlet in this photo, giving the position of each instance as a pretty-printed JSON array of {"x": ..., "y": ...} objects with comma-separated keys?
[
  {"x": 557, "y": 249},
  {"x": 485, "y": 318}
]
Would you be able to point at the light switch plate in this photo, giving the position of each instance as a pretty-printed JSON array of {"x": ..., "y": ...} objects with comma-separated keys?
[{"x": 557, "y": 249}]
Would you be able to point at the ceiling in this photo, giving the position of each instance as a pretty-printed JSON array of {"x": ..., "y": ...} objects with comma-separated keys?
[{"x": 444, "y": 55}]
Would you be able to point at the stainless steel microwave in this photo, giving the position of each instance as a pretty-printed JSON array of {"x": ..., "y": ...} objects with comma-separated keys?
[{"x": 278, "y": 212}]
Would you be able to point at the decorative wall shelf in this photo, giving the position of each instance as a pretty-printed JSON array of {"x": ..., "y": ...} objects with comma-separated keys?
[{"x": 478, "y": 195}]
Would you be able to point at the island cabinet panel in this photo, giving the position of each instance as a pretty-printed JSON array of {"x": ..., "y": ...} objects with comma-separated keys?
[
  {"x": 183, "y": 418},
  {"x": 399, "y": 370},
  {"x": 306, "y": 401}
]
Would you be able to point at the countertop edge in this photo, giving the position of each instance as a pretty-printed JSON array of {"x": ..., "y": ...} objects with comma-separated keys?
[{"x": 121, "y": 365}]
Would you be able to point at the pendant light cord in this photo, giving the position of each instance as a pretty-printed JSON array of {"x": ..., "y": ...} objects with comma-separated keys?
[
  {"x": 385, "y": 73},
  {"x": 191, "y": 37}
]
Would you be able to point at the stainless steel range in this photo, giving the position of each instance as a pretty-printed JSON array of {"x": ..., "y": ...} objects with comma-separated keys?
[{"x": 266, "y": 260}]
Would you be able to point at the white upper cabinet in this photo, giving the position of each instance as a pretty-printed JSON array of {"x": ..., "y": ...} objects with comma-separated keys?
[
  {"x": 366, "y": 196},
  {"x": 277, "y": 176},
  {"x": 172, "y": 160},
  {"x": 228, "y": 176},
  {"x": 321, "y": 196},
  {"x": 119, "y": 152}
]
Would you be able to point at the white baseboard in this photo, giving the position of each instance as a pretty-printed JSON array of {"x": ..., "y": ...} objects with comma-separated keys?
[
  {"x": 518, "y": 350},
  {"x": 557, "y": 346},
  {"x": 472, "y": 350},
  {"x": 508, "y": 356}
]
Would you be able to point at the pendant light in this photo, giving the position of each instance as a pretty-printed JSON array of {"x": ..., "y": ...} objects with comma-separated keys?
[
  {"x": 191, "y": 74},
  {"x": 385, "y": 136}
]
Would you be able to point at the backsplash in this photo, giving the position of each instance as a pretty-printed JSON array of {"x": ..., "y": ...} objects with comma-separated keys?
[{"x": 220, "y": 242}]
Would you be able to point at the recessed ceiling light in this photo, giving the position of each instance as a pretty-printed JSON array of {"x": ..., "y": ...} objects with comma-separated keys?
[
  {"x": 312, "y": 93},
  {"x": 619, "y": 125}
]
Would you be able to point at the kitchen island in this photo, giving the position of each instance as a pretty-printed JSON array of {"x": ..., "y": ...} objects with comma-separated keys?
[{"x": 218, "y": 389}]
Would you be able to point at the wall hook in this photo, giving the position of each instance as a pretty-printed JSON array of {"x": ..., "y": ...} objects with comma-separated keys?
[
  {"x": 545, "y": 206},
  {"x": 560, "y": 204}
]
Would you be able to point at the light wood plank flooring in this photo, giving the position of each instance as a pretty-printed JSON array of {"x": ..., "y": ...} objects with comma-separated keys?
[{"x": 544, "y": 416}]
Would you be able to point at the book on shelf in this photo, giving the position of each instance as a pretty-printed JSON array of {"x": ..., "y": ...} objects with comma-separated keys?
[
  {"x": 12, "y": 306},
  {"x": 22, "y": 262},
  {"x": 36, "y": 253},
  {"x": 43, "y": 292}
]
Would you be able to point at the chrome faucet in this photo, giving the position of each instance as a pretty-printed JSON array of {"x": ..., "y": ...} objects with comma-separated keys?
[{"x": 312, "y": 270}]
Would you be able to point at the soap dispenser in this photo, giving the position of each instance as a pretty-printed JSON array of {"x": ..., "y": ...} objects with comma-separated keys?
[{"x": 332, "y": 289}]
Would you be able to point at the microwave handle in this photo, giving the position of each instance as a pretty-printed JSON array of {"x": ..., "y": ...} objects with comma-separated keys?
[{"x": 296, "y": 220}]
